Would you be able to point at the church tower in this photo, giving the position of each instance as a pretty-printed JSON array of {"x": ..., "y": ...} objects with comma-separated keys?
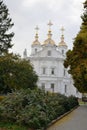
[
  {"x": 36, "y": 45},
  {"x": 62, "y": 45}
]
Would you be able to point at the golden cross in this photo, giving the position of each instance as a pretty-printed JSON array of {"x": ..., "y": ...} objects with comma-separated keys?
[
  {"x": 50, "y": 24},
  {"x": 62, "y": 30},
  {"x": 36, "y": 29}
]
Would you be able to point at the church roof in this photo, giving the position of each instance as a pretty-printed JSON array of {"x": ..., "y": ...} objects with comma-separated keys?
[
  {"x": 49, "y": 39},
  {"x": 36, "y": 42}
]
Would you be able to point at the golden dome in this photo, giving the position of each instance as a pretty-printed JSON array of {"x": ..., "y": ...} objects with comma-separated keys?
[
  {"x": 36, "y": 42},
  {"x": 62, "y": 43},
  {"x": 49, "y": 41}
]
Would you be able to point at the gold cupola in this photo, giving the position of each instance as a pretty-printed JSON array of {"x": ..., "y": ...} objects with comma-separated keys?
[
  {"x": 62, "y": 43},
  {"x": 36, "y": 42},
  {"x": 49, "y": 39}
]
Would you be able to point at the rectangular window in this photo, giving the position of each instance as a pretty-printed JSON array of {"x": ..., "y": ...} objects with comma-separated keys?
[
  {"x": 52, "y": 87},
  {"x": 43, "y": 86},
  {"x": 76, "y": 91},
  {"x": 35, "y": 49},
  {"x": 62, "y": 51},
  {"x": 65, "y": 88},
  {"x": 64, "y": 72},
  {"x": 44, "y": 70},
  {"x": 52, "y": 71},
  {"x": 49, "y": 53}
]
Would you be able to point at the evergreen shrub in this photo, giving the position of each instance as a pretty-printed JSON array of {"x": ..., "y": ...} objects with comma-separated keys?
[{"x": 34, "y": 108}]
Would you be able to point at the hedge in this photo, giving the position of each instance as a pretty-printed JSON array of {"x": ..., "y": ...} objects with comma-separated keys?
[{"x": 34, "y": 108}]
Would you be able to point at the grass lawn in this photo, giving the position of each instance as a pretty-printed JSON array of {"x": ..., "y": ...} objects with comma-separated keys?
[
  {"x": 82, "y": 103},
  {"x": 10, "y": 126}
]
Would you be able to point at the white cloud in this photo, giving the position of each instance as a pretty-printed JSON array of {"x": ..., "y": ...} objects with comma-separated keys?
[{"x": 29, "y": 3}]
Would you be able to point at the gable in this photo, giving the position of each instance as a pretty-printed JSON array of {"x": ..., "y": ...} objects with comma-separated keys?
[{"x": 48, "y": 51}]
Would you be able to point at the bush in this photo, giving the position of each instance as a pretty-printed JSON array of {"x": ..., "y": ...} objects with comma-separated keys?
[
  {"x": 1, "y": 98},
  {"x": 34, "y": 108},
  {"x": 73, "y": 101}
]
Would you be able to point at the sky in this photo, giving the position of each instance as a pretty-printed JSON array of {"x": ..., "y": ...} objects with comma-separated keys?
[{"x": 27, "y": 14}]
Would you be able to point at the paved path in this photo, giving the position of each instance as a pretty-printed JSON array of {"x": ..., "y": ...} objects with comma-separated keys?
[{"x": 76, "y": 120}]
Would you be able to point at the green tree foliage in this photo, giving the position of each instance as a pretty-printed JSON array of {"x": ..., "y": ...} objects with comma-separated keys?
[
  {"x": 35, "y": 108},
  {"x": 16, "y": 73},
  {"x": 76, "y": 58},
  {"x": 5, "y": 25}
]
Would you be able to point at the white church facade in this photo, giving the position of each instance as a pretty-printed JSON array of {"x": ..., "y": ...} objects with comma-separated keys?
[{"x": 47, "y": 60}]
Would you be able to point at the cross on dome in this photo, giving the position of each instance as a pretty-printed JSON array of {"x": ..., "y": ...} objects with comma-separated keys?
[
  {"x": 50, "y": 24},
  {"x": 49, "y": 39},
  {"x": 36, "y": 36},
  {"x": 37, "y": 28},
  {"x": 62, "y": 43},
  {"x": 62, "y": 30},
  {"x": 36, "y": 42}
]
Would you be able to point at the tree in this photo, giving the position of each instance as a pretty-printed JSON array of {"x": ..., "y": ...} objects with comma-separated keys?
[
  {"x": 76, "y": 59},
  {"x": 5, "y": 25},
  {"x": 6, "y": 65},
  {"x": 22, "y": 75},
  {"x": 16, "y": 73}
]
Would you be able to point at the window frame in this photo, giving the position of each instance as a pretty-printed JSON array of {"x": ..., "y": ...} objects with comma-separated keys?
[
  {"x": 43, "y": 70},
  {"x": 52, "y": 87},
  {"x": 49, "y": 53},
  {"x": 43, "y": 86},
  {"x": 52, "y": 71},
  {"x": 65, "y": 89}
]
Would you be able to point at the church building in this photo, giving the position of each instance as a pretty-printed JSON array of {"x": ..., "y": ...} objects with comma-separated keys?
[{"x": 47, "y": 60}]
